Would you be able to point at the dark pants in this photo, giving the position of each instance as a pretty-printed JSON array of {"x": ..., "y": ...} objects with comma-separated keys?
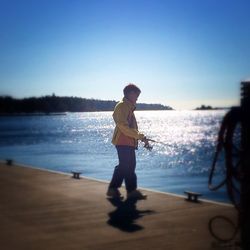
[{"x": 126, "y": 169}]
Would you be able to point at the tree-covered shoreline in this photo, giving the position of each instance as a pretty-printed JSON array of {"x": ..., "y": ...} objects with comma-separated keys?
[{"x": 58, "y": 104}]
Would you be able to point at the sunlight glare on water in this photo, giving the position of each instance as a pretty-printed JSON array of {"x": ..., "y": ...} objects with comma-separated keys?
[{"x": 187, "y": 138}]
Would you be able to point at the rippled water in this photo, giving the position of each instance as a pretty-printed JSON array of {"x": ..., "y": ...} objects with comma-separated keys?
[{"x": 82, "y": 141}]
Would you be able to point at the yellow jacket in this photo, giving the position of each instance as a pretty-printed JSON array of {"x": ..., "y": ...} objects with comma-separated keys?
[{"x": 126, "y": 130}]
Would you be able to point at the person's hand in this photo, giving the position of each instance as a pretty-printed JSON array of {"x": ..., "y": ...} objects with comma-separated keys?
[
  {"x": 145, "y": 140},
  {"x": 146, "y": 144}
]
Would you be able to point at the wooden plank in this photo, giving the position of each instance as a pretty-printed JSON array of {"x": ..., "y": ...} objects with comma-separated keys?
[{"x": 43, "y": 210}]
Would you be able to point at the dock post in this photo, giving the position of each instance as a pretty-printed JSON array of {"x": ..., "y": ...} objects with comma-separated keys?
[
  {"x": 76, "y": 175},
  {"x": 245, "y": 184},
  {"x": 9, "y": 162}
]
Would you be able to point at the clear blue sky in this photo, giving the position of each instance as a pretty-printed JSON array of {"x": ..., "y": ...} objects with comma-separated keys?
[{"x": 180, "y": 53}]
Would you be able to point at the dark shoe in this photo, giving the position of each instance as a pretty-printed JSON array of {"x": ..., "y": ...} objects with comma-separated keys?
[
  {"x": 137, "y": 195},
  {"x": 114, "y": 193}
]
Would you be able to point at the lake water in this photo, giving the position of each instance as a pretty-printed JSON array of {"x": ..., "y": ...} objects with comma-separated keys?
[{"x": 82, "y": 141}]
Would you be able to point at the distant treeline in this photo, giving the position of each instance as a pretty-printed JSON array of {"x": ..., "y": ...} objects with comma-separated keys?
[
  {"x": 56, "y": 104},
  {"x": 204, "y": 107}
]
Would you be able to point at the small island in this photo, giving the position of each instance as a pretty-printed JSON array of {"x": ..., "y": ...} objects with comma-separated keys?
[
  {"x": 48, "y": 105},
  {"x": 208, "y": 107},
  {"x": 204, "y": 107}
]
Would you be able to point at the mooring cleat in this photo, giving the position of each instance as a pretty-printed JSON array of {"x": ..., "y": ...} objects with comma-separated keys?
[
  {"x": 192, "y": 196},
  {"x": 76, "y": 175}
]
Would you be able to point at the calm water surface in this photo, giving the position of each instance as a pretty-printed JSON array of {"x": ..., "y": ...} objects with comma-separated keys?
[{"x": 82, "y": 141}]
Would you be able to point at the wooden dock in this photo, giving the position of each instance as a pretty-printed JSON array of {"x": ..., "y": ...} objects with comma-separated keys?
[{"x": 42, "y": 210}]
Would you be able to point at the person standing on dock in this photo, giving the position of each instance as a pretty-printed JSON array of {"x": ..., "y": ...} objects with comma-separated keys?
[{"x": 125, "y": 139}]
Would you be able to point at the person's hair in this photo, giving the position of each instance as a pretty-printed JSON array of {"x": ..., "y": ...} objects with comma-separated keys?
[{"x": 130, "y": 88}]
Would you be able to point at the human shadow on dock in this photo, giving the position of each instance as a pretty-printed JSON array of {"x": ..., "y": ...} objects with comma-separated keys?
[{"x": 125, "y": 215}]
